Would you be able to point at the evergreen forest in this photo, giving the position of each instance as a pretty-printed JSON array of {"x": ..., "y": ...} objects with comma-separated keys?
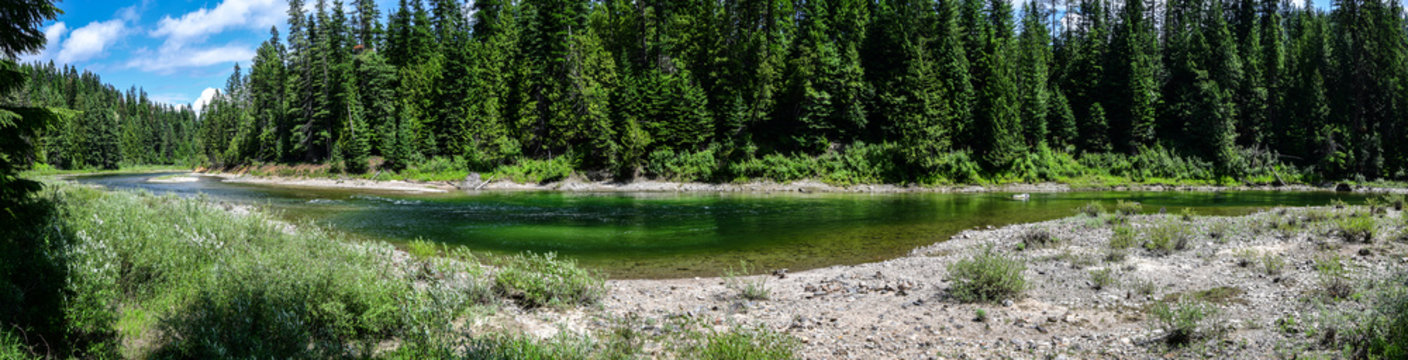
[{"x": 844, "y": 91}]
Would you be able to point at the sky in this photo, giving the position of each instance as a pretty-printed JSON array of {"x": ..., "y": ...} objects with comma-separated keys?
[{"x": 179, "y": 51}]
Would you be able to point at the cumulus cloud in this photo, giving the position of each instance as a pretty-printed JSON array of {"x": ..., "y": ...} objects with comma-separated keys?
[
  {"x": 53, "y": 35},
  {"x": 205, "y": 97},
  {"x": 90, "y": 40},
  {"x": 172, "y": 57},
  {"x": 197, "y": 25}
]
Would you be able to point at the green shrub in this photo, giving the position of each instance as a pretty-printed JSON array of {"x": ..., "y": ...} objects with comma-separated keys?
[
  {"x": 14, "y": 348},
  {"x": 1272, "y": 263},
  {"x": 744, "y": 344},
  {"x": 1091, "y": 209},
  {"x": 1128, "y": 207},
  {"x": 748, "y": 289},
  {"x": 1382, "y": 333},
  {"x": 422, "y": 248},
  {"x": 522, "y": 347},
  {"x": 534, "y": 171},
  {"x": 1183, "y": 321},
  {"x": 1123, "y": 237},
  {"x": 1333, "y": 278},
  {"x": 1356, "y": 228},
  {"x": 667, "y": 164},
  {"x": 1037, "y": 238},
  {"x": 1103, "y": 278},
  {"x": 987, "y": 276},
  {"x": 543, "y": 280},
  {"x": 1164, "y": 239},
  {"x": 437, "y": 169},
  {"x": 980, "y": 315}
]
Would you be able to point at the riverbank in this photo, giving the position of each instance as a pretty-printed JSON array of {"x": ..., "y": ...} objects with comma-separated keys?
[
  {"x": 1275, "y": 283},
  {"x": 578, "y": 184},
  {"x": 1279, "y": 283}
]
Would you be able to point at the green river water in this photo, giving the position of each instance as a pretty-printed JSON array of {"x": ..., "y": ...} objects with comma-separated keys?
[{"x": 662, "y": 235}]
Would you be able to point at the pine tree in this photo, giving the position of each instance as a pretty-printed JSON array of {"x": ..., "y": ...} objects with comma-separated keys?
[
  {"x": 266, "y": 83},
  {"x": 998, "y": 108},
  {"x": 1064, "y": 132},
  {"x": 1033, "y": 57}
]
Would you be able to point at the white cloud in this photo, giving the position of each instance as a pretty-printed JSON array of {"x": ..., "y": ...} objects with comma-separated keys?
[
  {"x": 171, "y": 57},
  {"x": 53, "y": 35},
  {"x": 196, "y": 25},
  {"x": 89, "y": 41},
  {"x": 205, "y": 96},
  {"x": 170, "y": 99}
]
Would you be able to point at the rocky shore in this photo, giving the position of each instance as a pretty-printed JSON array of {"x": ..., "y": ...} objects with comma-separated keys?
[{"x": 1263, "y": 275}]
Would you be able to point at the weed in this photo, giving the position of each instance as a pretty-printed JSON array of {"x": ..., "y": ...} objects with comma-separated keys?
[
  {"x": 1123, "y": 237},
  {"x": 1128, "y": 207},
  {"x": 422, "y": 248},
  {"x": 1333, "y": 277},
  {"x": 1103, "y": 278},
  {"x": 1091, "y": 209},
  {"x": 748, "y": 289},
  {"x": 1164, "y": 239},
  {"x": 1272, "y": 264},
  {"x": 987, "y": 276},
  {"x": 980, "y": 315},
  {"x": 755, "y": 343},
  {"x": 1144, "y": 287},
  {"x": 1037, "y": 238},
  {"x": 543, "y": 280},
  {"x": 1356, "y": 228},
  {"x": 1187, "y": 215},
  {"x": 1182, "y": 321},
  {"x": 1246, "y": 257}
]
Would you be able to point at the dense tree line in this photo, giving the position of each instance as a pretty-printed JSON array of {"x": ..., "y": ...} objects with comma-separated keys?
[
  {"x": 902, "y": 90},
  {"x": 100, "y": 126}
]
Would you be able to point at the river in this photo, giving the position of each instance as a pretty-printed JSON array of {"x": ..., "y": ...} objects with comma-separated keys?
[{"x": 664, "y": 235}]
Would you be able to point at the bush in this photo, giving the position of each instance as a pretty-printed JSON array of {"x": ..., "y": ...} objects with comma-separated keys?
[
  {"x": 437, "y": 169},
  {"x": 1272, "y": 263},
  {"x": 755, "y": 289},
  {"x": 1164, "y": 239},
  {"x": 1123, "y": 237},
  {"x": 1092, "y": 209},
  {"x": 1127, "y": 207},
  {"x": 1356, "y": 228},
  {"x": 543, "y": 280},
  {"x": 535, "y": 171},
  {"x": 1035, "y": 238},
  {"x": 987, "y": 276},
  {"x": 1382, "y": 333},
  {"x": 1103, "y": 278},
  {"x": 422, "y": 248},
  {"x": 1182, "y": 321},
  {"x": 667, "y": 164},
  {"x": 756, "y": 343}
]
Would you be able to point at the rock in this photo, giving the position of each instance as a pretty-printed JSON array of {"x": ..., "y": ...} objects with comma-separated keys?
[
  {"x": 1365, "y": 252},
  {"x": 1007, "y": 303},
  {"x": 1343, "y": 187}
]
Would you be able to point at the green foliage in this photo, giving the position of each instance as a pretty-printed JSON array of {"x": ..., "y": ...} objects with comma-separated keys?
[
  {"x": 748, "y": 289},
  {"x": 1103, "y": 278},
  {"x": 1357, "y": 227},
  {"x": 1183, "y": 321},
  {"x": 1128, "y": 207},
  {"x": 1091, "y": 209},
  {"x": 535, "y": 171},
  {"x": 1037, "y": 238},
  {"x": 986, "y": 276},
  {"x": 1123, "y": 237},
  {"x": 537, "y": 280},
  {"x": 755, "y": 343},
  {"x": 422, "y": 248},
  {"x": 1166, "y": 238},
  {"x": 685, "y": 166}
]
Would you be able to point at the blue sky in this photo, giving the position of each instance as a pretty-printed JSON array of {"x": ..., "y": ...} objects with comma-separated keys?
[
  {"x": 178, "y": 50},
  {"x": 175, "y": 49}
]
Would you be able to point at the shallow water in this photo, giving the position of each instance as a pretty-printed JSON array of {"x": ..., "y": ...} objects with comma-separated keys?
[{"x": 658, "y": 235}]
